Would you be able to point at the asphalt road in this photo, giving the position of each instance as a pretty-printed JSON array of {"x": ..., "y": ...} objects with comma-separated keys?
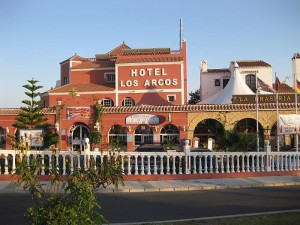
[{"x": 159, "y": 206}]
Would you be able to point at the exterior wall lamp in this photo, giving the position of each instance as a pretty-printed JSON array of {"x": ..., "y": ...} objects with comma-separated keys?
[
  {"x": 56, "y": 126},
  {"x": 97, "y": 126}
]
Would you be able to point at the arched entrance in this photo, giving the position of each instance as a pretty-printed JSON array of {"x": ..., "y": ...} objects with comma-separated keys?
[
  {"x": 251, "y": 125},
  {"x": 118, "y": 137},
  {"x": 78, "y": 132},
  {"x": 143, "y": 134},
  {"x": 209, "y": 128}
]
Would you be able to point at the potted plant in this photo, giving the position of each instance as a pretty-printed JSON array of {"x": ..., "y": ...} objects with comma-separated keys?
[
  {"x": 170, "y": 145},
  {"x": 95, "y": 138}
]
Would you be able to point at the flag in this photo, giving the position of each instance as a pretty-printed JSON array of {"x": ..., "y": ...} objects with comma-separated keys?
[
  {"x": 264, "y": 86},
  {"x": 277, "y": 84},
  {"x": 298, "y": 86}
]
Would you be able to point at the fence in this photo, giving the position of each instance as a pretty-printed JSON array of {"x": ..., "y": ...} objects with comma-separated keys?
[{"x": 138, "y": 163}]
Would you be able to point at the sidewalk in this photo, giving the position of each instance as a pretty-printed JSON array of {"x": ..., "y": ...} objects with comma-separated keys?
[{"x": 182, "y": 185}]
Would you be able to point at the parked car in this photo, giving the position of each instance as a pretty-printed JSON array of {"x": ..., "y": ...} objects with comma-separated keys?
[
  {"x": 208, "y": 161},
  {"x": 147, "y": 148},
  {"x": 150, "y": 148}
]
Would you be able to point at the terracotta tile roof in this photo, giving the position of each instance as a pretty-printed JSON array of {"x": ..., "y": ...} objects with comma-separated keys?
[
  {"x": 118, "y": 50},
  {"x": 151, "y": 59},
  {"x": 284, "y": 88},
  {"x": 218, "y": 71},
  {"x": 96, "y": 64},
  {"x": 195, "y": 108},
  {"x": 15, "y": 111},
  {"x": 252, "y": 63},
  {"x": 75, "y": 58},
  {"x": 83, "y": 88},
  {"x": 175, "y": 108}
]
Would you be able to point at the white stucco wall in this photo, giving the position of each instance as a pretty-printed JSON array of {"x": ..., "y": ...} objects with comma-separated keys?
[{"x": 207, "y": 80}]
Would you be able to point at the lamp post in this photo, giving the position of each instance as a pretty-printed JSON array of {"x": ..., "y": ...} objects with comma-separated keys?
[
  {"x": 267, "y": 135},
  {"x": 257, "y": 128}
]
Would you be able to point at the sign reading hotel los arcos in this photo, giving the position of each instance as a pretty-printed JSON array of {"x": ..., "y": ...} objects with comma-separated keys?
[
  {"x": 142, "y": 119},
  {"x": 148, "y": 77}
]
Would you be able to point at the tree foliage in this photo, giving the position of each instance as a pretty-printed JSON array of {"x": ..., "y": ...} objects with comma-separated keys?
[
  {"x": 194, "y": 97},
  {"x": 71, "y": 199},
  {"x": 31, "y": 116},
  {"x": 238, "y": 142}
]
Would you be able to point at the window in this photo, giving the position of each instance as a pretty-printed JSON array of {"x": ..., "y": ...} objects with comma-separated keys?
[
  {"x": 107, "y": 102},
  {"x": 217, "y": 82},
  {"x": 171, "y": 98},
  {"x": 128, "y": 102},
  {"x": 66, "y": 80},
  {"x": 110, "y": 77},
  {"x": 251, "y": 82},
  {"x": 225, "y": 82}
]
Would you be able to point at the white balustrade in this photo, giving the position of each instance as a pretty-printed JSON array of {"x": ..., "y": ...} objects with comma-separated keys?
[{"x": 137, "y": 163}]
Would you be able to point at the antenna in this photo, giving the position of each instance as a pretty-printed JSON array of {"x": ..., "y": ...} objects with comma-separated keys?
[{"x": 180, "y": 33}]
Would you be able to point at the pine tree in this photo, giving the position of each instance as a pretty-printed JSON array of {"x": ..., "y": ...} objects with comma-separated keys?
[
  {"x": 31, "y": 116},
  {"x": 194, "y": 97}
]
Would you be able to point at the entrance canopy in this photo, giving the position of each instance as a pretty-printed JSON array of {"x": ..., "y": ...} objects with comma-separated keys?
[{"x": 235, "y": 86}]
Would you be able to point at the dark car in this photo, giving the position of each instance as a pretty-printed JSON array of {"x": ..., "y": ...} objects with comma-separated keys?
[
  {"x": 150, "y": 148},
  {"x": 147, "y": 148},
  {"x": 208, "y": 160}
]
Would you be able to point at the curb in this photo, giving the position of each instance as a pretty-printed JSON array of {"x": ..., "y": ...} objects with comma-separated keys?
[{"x": 173, "y": 189}]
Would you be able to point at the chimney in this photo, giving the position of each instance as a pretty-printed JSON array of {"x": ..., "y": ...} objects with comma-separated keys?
[
  {"x": 296, "y": 66},
  {"x": 204, "y": 66}
]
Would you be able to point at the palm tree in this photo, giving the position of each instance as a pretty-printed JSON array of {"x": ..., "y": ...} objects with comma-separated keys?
[{"x": 238, "y": 142}]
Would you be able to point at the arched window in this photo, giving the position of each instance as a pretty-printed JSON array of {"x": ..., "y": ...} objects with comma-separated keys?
[
  {"x": 217, "y": 82},
  {"x": 128, "y": 102},
  {"x": 2, "y": 138},
  {"x": 107, "y": 102},
  {"x": 169, "y": 132},
  {"x": 251, "y": 82}
]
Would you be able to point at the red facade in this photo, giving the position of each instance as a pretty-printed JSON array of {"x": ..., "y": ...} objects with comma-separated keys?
[{"x": 125, "y": 81}]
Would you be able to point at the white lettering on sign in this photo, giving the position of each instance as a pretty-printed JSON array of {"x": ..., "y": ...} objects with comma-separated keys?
[
  {"x": 148, "y": 72},
  {"x": 142, "y": 119}
]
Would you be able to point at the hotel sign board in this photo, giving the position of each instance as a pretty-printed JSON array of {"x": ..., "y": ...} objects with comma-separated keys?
[
  {"x": 289, "y": 124},
  {"x": 142, "y": 119},
  {"x": 266, "y": 98}
]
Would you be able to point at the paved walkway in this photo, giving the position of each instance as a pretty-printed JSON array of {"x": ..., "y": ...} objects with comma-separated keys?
[{"x": 183, "y": 185}]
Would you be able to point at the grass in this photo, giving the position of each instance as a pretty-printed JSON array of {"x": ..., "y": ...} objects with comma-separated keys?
[{"x": 290, "y": 218}]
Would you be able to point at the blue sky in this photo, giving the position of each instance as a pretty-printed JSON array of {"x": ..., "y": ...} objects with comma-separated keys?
[{"x": 37, "y": 35}]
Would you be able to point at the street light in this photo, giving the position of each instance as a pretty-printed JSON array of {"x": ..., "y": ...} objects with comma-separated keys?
[
  {"x": 267, "y": 136},
  {"x": 257, "y": 129}
]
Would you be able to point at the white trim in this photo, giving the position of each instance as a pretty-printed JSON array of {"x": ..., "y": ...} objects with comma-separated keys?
[
  {"x": 117, "y": 84},
  {"x": 149, "y": 63},
  {"x": 87, "y": 69},
  {"x": 182, "y": 84},
  {"x": 89, "y": 92},
  {"x": 70, "y": 66},
  {"x": 172, "y": 95}
]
